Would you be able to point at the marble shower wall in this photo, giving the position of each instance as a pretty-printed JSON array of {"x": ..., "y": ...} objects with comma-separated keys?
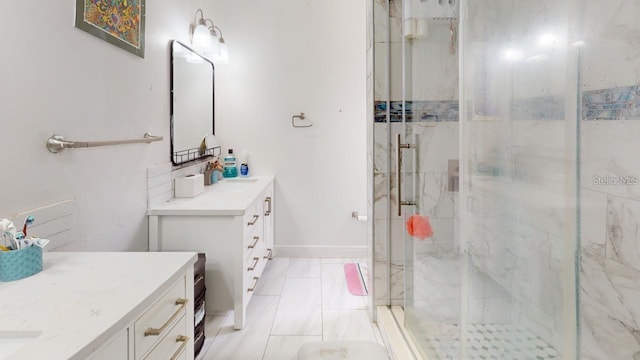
[
  {"x": 432, "y": 114},
  {"x": 610, "y": 182}
]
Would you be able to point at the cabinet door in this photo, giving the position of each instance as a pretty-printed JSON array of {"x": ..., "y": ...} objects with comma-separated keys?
[
  {"x": 116, "y": 349},
  {"x": 268, "y": 211}
]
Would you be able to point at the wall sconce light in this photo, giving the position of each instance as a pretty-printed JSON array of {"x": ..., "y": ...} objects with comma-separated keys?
[{"x": 206, "y": 38}]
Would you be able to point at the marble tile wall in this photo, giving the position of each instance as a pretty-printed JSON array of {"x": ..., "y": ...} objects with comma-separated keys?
[
  {"x": 610, "y": 264},
  {"x": 610, "y": 190}
]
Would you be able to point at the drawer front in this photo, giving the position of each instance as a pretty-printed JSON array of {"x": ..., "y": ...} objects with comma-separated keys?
[
  {"x": 173, "y": 345},
  {"x": 154, "y": 324},
  {"x": 250, "y": 275}
]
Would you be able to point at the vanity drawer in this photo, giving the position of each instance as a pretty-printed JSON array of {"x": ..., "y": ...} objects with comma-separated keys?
[
  {"x": 157, "y": 321},
  {"x": 172, "y": 346},
  {"x": 254, "y": 269}
]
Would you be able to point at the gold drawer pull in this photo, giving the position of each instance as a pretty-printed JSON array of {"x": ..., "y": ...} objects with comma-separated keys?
[
  {"x": 198, "y": 279},
  {"x": 255, "y": 283},
  {"x": 255, "y": 242},
  {"x": 268, "y": 201},
  {"x": 255, "y": 263},
  {"x": 269, "y": 254},
  {"x": 254, "y": 220},
  {"x": 184, "y": 340},
  {"x": 156, "y": 332}
]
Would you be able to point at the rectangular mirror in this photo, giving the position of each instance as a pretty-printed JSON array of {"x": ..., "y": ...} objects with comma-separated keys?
[{"x": 192, "y": 115}]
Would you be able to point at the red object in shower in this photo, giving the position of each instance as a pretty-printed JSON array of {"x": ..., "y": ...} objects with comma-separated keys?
[{"x": 419, "y": 226}]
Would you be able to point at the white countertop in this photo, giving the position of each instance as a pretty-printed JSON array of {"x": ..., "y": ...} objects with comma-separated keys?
[
  {"x": 226, "y": 197},
  {"x": 81, "y": 300}
]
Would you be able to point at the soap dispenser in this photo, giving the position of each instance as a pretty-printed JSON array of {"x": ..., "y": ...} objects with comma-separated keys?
[{"x": 230, "y": 165}]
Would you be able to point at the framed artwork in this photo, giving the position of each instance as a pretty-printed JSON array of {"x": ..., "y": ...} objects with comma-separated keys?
[{"x": 119, "y": 22}]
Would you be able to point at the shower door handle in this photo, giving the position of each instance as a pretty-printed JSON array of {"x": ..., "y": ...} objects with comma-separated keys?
[{"x": 399, "y": 147}]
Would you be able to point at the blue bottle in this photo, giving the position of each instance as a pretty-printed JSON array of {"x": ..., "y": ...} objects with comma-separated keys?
[
  {"x": 230, "y": 165},
  {"x": 244, "y": 169}
]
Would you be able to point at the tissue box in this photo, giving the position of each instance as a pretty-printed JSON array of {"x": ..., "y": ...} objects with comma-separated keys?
[
  {"x": 19, "y": 264},
  {"x": 189, "y": 186}
]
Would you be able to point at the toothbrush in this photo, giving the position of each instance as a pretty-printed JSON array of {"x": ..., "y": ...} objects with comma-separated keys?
[
  {"x": 27, "y": 222},
  {"x": 12, "y": 240}
]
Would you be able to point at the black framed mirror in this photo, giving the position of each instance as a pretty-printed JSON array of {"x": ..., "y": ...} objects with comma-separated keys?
[{"x": 192, "y": 109}]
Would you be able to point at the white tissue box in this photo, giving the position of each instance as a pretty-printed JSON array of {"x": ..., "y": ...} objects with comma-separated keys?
[{"x": 189, "y": 186}]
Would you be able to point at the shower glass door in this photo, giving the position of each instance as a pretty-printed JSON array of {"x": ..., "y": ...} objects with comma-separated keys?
[
  {"x": 490, "y": 267},
  {"x": 519, "y": 179},
  {"x": 430, "y": 132}
]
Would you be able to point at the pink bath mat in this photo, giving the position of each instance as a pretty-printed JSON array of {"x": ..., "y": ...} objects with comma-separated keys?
[{"x": 355, "y": 279}]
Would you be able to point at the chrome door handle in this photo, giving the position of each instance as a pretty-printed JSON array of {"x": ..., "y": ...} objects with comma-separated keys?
[{"x": 399, "y": 147}]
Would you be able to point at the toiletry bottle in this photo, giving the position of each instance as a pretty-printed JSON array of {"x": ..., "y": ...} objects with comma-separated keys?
[
  {"x": 244, "y": 169},
  {"x": 230, "y": 169}
]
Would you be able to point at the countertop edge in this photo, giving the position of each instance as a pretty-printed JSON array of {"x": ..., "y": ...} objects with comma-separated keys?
[
  {"x": 166, "y": 209},
  {"x": 130, "y": 316}
]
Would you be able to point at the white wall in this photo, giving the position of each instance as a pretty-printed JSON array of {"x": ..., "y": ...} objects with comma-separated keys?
[
  {"x": 288, "y": 57},
  {"x": 58, "y": 79}
]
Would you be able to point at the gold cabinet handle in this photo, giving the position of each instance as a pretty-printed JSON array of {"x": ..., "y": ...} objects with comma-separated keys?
[
  {"x": 255, "y": 283},
  {"x": 268, "y": 201},
  {"x": 254, "y": 220},
  {"x": 158, "y": 331},
  {"x": 255, "y": 263},
  {"x": 255, "y": 242},
  {"x": 269, "y": 254},
  {"x": 184, "y": 340}
]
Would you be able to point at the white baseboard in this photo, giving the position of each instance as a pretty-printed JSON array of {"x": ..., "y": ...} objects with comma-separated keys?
[{"x": 307, "y": 251}]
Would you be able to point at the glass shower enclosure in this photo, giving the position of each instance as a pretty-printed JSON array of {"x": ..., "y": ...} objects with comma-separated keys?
[{"x": 486, "y": 154}]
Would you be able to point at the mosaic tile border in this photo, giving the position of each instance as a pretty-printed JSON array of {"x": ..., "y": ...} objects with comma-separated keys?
[
  {"x": 417, "y": 111},
  {"x": 619, "y": 103},
  {"x": 538, "y": 108}
]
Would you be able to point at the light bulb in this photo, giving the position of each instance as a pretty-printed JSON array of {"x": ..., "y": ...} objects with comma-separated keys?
[{"x": 201, "y": 39}]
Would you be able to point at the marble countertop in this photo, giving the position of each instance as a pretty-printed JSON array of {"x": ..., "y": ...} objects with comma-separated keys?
[
  {"x": 81, "y": 300},
  {"x": 226, "y": 197}
]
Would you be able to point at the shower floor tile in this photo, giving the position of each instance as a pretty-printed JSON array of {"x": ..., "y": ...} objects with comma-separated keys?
[{"x": 491, "y": 341}]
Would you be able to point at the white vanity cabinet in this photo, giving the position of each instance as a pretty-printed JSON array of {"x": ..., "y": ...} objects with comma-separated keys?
[
  {"x": 160, "y": 330},
  {"x": 119, "y": 305},
  {"x": 232, "y": 222}
]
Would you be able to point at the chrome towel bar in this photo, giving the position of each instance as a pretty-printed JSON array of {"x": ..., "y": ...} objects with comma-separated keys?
[{"x": 57, "y": 143}]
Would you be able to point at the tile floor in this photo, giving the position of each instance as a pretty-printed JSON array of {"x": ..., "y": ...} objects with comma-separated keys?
[{"x": 297, "y": 301}]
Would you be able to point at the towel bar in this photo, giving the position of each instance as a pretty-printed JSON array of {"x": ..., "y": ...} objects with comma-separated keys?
[{"x": 57, "y": 143}]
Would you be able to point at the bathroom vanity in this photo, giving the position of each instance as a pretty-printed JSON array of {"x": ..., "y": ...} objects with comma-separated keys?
[
  {"x": 232, "y": 223},
  {"x": 121, "y": 305}
]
